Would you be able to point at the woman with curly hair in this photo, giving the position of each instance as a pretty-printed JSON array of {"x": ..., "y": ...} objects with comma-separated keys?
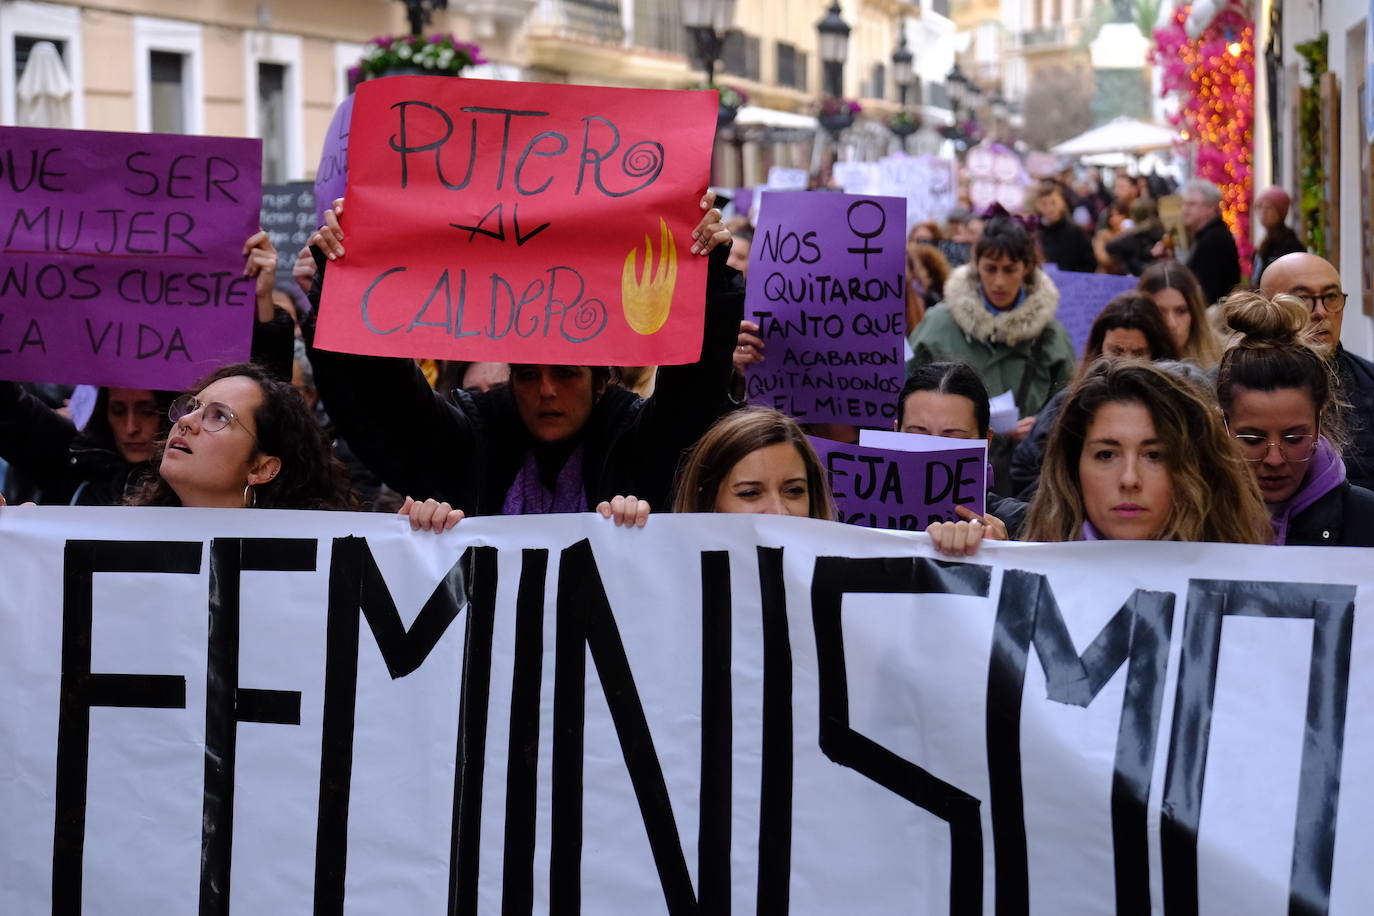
[
  {"x": 245, "y": 439},
  {"x": 1141, "y": 454},
  {"x": 1130, "y": 327}
]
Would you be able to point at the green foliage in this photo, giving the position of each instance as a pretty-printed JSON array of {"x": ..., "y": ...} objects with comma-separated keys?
[
  {"x": 1146, "y": 16},
  {"x": 1311, "y": 164}
]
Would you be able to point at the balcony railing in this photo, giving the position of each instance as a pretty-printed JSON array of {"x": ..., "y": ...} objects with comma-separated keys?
[
  {"x": 1047, "y": 37},
  {"x": 597, "y": 20}
]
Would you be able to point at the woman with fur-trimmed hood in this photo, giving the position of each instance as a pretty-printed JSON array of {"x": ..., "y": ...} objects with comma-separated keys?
[{"x": 999, "y": 317}]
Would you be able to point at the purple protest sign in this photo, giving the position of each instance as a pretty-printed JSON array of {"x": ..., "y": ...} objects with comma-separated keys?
[
  {"x": 827, "y": 289},
  {"x": 888, "y": 488},
  {"x": 123, "y": 255},
  {"x": 1081, "y": 299},
  {"x": 331, "y": 176}
]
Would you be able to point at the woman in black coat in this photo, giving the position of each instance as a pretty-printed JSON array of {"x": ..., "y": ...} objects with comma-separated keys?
[
  {"x": 1062, "y": 242},
  {"x": 556, "y": 439}
]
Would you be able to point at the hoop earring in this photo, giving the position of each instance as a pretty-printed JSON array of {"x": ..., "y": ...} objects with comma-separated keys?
[{"x": 250, "y": 497}]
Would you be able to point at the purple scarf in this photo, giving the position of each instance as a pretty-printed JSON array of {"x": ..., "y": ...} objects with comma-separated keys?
[
  {"x": 1325, "y": 472},
  {"x": 1089, "y": 532},
  {"x": 528, "y": 495}
]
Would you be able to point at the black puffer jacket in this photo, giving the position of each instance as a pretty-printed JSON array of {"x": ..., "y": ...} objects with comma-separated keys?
[
  {"x": 1029, "y": 455},
  {"x": 1357, "y": 388},
  {"x": 1343, "y": 517},
  {"x": 468, "y": 449},
  {"x": 1067, "y": 247}
]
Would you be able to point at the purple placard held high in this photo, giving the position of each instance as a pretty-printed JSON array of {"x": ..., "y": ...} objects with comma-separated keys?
[
  {"x": 1082, "y": 297},
  {"x": 885, "y": 488},
  {"x": 827, "y": 288},
  {"x": 123, "y": 255},
  {"x": 331, "y": 176}
]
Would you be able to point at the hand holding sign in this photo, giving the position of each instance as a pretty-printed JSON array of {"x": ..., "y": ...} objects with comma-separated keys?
[
  {"x": 261, "y": 265},
  {"x": 120, "y": 257},
  {"x": 469, "y": 203},
  {"x": 961, "y": 538}
]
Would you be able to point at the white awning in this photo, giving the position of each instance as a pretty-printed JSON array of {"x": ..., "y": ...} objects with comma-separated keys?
[
  {"x": 1124, "y": 135},
  {"x": 754, "y": 115}
]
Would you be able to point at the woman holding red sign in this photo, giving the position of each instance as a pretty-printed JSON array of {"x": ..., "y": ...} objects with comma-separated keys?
[{"x": 556, "y": 438}]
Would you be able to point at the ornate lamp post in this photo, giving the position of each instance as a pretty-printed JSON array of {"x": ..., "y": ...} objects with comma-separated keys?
[
  {"x": 965, "y": 97},
  {"x": 419, "y": 12},
  {"x": 834, "y": 50},
  {"x": 901, "y": 69},
  {"x": 834, "y": 42},
  {"x": 708, "y": 22},
  {"x": 903, "y": 124}
]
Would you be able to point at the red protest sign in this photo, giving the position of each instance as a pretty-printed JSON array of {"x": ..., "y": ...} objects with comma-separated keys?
[{"x": 519, "y": 222}]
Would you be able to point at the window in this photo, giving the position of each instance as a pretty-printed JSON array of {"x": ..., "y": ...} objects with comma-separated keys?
[
  {"x": 167, "y": 93},
  {"x": 740, "y": 56},
  {"x": 877, "y": 84},
  {"x": 273, "y": 105},
  {"x": 272, "y": 121},
  {"x": 167, "y": 76},
  {"x": 791, "y": 66},
  {"x": 596, "y": 19},
  {"x": 23, "y": 45},
  {"x": 658, "y": 24},
  {"x": 23, "y": 24}
]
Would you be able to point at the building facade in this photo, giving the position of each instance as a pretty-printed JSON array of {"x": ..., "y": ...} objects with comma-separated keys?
[{"x": 276, "y": 69}]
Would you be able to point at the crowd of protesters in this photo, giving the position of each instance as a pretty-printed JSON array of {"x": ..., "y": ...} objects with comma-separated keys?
[{"x": 1202, "y": 409}]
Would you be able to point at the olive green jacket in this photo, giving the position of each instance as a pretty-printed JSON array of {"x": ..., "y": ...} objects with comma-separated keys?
[{"x": 1001, "y": 348}]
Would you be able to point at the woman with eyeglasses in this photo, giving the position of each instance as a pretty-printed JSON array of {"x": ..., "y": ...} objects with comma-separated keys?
[
  {"x": 1278, "y": 396},
  {"x": 245, "y": 439},
  {"x": 99, "y": 464}
]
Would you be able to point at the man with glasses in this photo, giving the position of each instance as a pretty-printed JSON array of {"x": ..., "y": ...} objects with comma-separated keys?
[
  {"x": 1318, "y": 284},
  {"x": 1213, "y": 258}
]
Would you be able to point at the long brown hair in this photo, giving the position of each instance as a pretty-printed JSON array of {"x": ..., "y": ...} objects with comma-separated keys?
[
  {"x": 1202, "y": 347},
  {"x": 725, "y": 444},
  {"x": 310, "y": 476},
  {"x": 1134, "y": 311},
  {"x": 1215, "y": 495}
]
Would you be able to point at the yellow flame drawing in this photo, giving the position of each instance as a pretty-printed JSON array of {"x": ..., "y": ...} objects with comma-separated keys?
[{"x": 647, "y": 301}]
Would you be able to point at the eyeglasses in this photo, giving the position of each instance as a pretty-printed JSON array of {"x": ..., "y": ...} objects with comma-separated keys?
[
  {"x": 213, "y": 418},
  {"x": 1296, "y": 449},
  {"x": 1332, "y": 302}
]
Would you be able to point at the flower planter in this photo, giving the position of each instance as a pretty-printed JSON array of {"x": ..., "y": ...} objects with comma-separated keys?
[{"x": 836, "y": 121}]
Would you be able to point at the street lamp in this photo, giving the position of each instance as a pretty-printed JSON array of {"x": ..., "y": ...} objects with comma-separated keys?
[
  {"x": 708, "y": 22},
  {"x": 419, "y": 13},
  {"x": 901, "y": 69},
  {"x": 834, "y": 41}
]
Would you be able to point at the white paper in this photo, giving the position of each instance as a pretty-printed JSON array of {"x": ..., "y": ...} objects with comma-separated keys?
[
  {"x": 915, "y": 442},
  {"x": 781, "y": 178},
  {"x": 1004, "y": 415}
]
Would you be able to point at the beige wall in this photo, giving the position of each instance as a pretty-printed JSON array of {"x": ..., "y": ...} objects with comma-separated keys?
[
  {"x": 107, "y": 36},
  {"x": 108, "y": 42}
]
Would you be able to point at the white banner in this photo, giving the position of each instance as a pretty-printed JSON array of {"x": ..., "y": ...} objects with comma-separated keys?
[{"x": 289, "y": 712}]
